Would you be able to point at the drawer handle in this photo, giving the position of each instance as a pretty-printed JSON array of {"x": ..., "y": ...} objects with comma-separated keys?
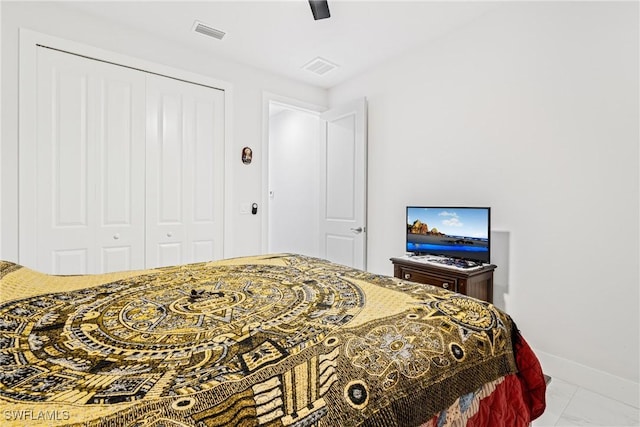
[
  {"x": 445, "y": 285},
  {"x": 407, "y": 276}
]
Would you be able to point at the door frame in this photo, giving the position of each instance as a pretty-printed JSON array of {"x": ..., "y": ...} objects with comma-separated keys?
[
  {"x": 294, "y": 104},
  {"x": 27, "y": 106}
]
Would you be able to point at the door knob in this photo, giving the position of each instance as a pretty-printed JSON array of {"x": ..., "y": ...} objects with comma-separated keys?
[{"x": 357, "y": 230}]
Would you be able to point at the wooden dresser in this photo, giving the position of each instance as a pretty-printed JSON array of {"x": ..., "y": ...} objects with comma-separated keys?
[{"x": 477, "y": 283}]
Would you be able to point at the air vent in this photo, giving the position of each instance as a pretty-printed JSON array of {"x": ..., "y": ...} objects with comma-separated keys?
[
  {"x": 201, "y": 28},
  {"x": 319, "y": 66}
]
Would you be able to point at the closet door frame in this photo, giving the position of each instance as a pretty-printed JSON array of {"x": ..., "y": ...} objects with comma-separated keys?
[{"x": 27, "y": 143}]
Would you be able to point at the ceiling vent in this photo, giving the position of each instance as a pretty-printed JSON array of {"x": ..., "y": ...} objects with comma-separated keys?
[
  {"x": 319, "y": 66},
  {"x": 201, "y": 28}
]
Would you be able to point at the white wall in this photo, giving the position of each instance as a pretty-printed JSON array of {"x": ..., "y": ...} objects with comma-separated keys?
[
  {"x": 533, "y": 110},
  {"x": 248, "y": 87},
  {"x": 294, "y": 182}
]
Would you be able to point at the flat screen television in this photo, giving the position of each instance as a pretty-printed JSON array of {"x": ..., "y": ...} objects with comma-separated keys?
[{"x": 451, "y": 232}]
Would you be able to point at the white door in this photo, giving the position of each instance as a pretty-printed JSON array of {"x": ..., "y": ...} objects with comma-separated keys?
[
  {"x": 343, "y": 178},
  {"x": 185, "y": 137},
  {"x": 89, "y": 150},
  {"x": 125, "y": 170}
]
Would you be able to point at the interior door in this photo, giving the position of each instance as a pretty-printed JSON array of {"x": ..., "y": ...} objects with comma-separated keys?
[
  {"x": 185, "y": 176},
  {"x": 89, "y": 187},
  {"x": 343, "y": 184}
]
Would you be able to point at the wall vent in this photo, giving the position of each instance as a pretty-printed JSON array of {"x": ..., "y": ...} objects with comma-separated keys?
[
  {"x": 319, "y": 66},
  {"x": 201, "y": 28}
]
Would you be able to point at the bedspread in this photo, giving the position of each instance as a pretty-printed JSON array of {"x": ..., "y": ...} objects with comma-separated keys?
[{"x": 268, "y": 340}]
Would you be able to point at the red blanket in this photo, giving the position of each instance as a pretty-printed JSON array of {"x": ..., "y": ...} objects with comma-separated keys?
[{"x": 512, "y": 401}]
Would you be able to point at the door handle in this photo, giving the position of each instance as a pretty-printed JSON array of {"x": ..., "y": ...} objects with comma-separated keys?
[{"x": 357, "y": 230}]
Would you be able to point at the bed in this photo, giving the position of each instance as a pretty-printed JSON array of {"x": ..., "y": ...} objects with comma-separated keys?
[{"x": 272, "y": 340}]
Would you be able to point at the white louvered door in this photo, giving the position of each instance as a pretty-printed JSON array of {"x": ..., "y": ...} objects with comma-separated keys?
[{"x": 127, "y": 169}]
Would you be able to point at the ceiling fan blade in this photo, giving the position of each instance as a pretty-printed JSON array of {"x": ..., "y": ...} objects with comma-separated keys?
[{"x": 320, "y": 9}]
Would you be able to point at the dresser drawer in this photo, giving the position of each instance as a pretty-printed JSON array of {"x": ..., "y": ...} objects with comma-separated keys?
[{"x": 448, "y": 283}]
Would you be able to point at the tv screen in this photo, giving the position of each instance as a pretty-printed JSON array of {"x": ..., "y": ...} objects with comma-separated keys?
[{"x": 452, "y": 232}]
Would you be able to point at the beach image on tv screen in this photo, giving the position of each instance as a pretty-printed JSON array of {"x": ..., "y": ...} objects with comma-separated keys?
[{"x": 450, "y": 232}]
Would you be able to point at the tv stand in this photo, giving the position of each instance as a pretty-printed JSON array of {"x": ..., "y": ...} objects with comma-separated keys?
[{"x": 474, "y": 282}]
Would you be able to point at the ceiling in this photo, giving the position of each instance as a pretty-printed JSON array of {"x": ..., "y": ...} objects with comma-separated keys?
[{"x": 281, "y": 36}]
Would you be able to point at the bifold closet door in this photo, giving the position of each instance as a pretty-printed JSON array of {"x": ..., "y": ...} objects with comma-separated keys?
[
  {"x": 184, "y": 173},
  {"x": 125, "y": 170},
  {"x": 89, "y": 166}
]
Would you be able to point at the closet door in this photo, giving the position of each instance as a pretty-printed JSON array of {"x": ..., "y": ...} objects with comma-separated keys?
[
  {"x": 89, "y": 215},
  {"x": 184, "y": 163}
]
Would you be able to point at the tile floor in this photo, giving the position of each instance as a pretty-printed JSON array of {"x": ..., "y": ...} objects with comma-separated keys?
[{"x": 570, "y": 405}]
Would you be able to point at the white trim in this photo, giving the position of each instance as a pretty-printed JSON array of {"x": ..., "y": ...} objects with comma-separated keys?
[
  {"x": 600, "y": 382},
  {"x": 29, "y": 40},
  {"x": 269, "y": 98},
  {"x": 33, "y": 38}
]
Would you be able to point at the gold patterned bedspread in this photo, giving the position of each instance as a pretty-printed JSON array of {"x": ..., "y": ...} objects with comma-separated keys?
[{"x": 271, "y": 340}]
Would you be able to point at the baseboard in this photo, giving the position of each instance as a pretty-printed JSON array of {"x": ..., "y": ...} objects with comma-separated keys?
[{"x": 597, "y": 381}]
